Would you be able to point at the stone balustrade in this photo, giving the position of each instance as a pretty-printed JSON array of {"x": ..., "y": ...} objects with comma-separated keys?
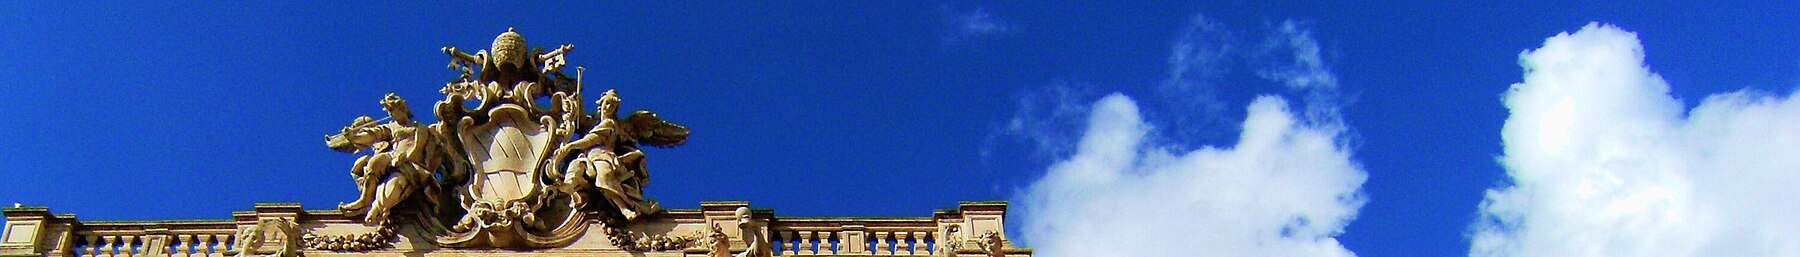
[
  {"x": 855, "y": 236},
  {"x": 34, "y": 231},
  {"x": 165, "y": 238},
  {"x": 923, "y": 236}
]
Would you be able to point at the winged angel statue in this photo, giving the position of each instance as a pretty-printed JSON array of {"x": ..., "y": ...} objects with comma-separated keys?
[{"x": 497, "y": 170}]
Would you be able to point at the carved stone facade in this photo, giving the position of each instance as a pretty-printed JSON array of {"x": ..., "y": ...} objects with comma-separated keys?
[
  {"x": 498, "y": 174},
  {"x": 34, "y": 231}
]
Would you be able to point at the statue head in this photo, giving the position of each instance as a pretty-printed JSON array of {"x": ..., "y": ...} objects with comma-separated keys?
[
  {"x": 743, "y": 215},
  {"x": 509, "y": 48},
  {"x": 353, "y": 137},
  {"x": 396, "y": 108},
  {"x": 609, "y": 103},
  {"x": 718, "y": 237},
  {"x": 248, "y": 240},
  {"x": 992, "y": 244}
]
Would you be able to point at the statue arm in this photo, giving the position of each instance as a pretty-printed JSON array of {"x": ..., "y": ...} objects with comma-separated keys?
[
  {"x": 603, "y": 132},
  {"x": 606, "y": 130}
]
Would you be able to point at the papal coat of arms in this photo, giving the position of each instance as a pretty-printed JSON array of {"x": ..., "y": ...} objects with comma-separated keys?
[{"x": 500, "y": 169}]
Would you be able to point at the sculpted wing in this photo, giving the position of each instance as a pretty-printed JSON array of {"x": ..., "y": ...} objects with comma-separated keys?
[{"x": 645, "y": 128}]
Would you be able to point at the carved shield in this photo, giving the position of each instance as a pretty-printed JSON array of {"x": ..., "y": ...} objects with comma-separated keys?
[{"x": 505, "y": 152}]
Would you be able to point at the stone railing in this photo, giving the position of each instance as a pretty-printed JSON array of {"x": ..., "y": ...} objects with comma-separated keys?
[
  {"x": 164, "y": 238},
  {"x": 34, "y": 231},
  {"x": 924, "y": 236},
  {"x": 63, "y": 235},
  {"x": 853, "y": 236}
]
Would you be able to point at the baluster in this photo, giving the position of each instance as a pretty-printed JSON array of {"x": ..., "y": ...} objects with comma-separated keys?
[
  {"x": 804, "y": 245},
  {"x": 227, "y": 242},
  {"x": 206, "y": 244},
  {"x": 127, "y": 245},
  {"x": 900, "y": 243},
  {"x": 185, "y": 248},
  {"x": 881, "y": 243},
  {"x": 930, "y": 242},
  {"x": 221, "y": 245},
  {"x": 825, "y": 245}
]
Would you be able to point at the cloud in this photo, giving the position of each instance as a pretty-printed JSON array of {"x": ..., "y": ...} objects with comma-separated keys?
[
  {"x": 970, "y": 24},
  {"x": 1048, "y": 119},
  {"x": 1287, "y": 186},
  {"x": 1208, "y": 57},
  {"x": 1602, "y": 161}
]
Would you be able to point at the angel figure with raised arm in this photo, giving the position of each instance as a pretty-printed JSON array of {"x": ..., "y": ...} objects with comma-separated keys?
[{"x": 609, "y": 159}]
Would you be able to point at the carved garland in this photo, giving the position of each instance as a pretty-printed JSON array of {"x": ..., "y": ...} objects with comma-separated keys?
[
  {"x": 359, "y": 242},
  {"x": 641, "y": 242}
]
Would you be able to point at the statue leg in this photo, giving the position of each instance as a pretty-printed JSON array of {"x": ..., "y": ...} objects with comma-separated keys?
[
  {"x": 626, "y": 207},
  {"x": 612, "y": 185},
  {"x": 574, "y": 180},
  {"x": 365, "y": 184},
  {"x": 392, "y": 191}
]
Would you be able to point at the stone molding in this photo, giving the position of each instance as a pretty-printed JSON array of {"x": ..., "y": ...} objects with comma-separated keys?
[{"x": 34, "y": 231}]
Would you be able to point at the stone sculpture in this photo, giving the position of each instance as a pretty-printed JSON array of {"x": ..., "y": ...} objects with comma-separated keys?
[
  {"x": 992, "y": 244},
  {"x": 719, "y": 243},
  {"x": 404, "y": 155},
  {"x": 607, "y": 158},
  {"x": 952, "y": 241},
  {"x": 251, "y": 239},
  {"x": 758, "y": 246},
  {"x": 506, "y": 173}
]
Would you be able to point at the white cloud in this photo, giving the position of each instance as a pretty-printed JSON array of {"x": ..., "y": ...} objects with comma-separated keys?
[
  {"x": 1287, "y": 187},
  {"x": 966, "y": 25},
  {"x": 1602, "y": 162},
  {"x": 1048, "y": 119},
  {"x": 1206, "y": 56},
  {"x": 1299, "y": 65}
]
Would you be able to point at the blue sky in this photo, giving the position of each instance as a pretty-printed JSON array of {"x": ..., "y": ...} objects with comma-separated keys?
[{"x": 1393, "y": 110}]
